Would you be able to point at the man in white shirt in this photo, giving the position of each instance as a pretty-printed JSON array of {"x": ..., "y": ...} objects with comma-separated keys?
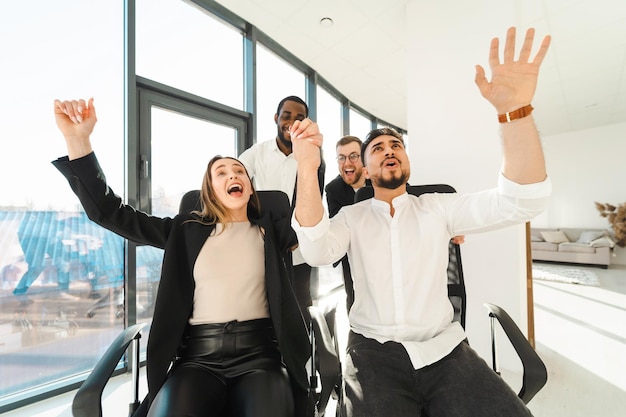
[
  {"x": 405, "y": 354},
  {"x": 271, "y": 166}
]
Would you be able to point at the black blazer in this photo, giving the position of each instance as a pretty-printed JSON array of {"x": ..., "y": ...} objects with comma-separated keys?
[
  {"x": 182, "y": 240},
  {"x": 339, "y": 194}
]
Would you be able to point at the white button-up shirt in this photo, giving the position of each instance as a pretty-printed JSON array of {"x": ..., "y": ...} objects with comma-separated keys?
[
  {"x": 270, "y": 168},
  {"x": 399, "y": 263}
]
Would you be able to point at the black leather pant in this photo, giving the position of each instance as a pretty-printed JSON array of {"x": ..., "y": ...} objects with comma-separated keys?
[{"x": 228, "y": 369}]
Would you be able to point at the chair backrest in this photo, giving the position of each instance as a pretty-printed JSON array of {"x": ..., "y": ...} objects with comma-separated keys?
[
  {"x": 276, "y": 201},
  {"x": 189, "y": 202},
  {"x": 456, "y": 282}
]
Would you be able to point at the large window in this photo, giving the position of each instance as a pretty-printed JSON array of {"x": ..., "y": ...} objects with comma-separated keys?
[
  {"x": 180, "y": 46},
  {"x": 60, "y": 274},
  {"x": 177, "y": 140}
]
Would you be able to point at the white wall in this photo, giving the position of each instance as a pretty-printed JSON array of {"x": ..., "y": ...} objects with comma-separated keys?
[{"x": 585, "y": 166}]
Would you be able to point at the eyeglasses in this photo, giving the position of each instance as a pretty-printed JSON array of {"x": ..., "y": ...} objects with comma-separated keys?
[{"x": 353, "y": 157}]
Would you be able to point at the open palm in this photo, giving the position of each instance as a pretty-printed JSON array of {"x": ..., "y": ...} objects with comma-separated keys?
[{"x": 513, "y": 83}]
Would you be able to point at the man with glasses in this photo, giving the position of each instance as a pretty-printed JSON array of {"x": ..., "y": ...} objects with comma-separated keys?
[{"x": 340, "y": 192}]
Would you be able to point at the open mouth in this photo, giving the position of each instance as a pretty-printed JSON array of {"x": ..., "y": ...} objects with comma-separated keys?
[
  {"x": 236, "y": 189},
  {"x": 391, "y": 163}
]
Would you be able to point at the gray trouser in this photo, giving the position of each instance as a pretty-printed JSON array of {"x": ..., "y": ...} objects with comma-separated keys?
[{"x": 380, "y": 381}]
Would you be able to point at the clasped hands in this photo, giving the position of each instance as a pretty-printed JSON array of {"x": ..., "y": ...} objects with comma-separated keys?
[{"x": 306, "y": 141}]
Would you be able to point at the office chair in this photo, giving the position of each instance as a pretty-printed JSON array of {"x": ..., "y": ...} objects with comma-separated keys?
[
  {"x": 535, "y": 374},
  {"x": 325, "y": 371}
]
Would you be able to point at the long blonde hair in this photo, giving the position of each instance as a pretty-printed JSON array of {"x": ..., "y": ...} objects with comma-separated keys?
[{"x": 212, "y": 210}]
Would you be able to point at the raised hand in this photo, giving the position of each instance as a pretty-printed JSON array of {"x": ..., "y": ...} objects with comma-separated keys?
[
  {"x": 76, "y": 120},
  {"x": 306, "y": 140},
  {"x": 513, "y": 83}
]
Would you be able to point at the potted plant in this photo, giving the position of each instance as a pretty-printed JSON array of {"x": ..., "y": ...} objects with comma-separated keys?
[{"x": 617, "y": 218}]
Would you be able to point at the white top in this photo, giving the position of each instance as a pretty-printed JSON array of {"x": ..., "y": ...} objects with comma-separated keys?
[
  {"x": 270, "y": 169},
  {"x": 230, "y": 276},
  {"x": 399, "y": 263}
]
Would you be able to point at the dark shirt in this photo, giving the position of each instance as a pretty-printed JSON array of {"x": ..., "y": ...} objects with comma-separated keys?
[{"x": 339, "y": 194}]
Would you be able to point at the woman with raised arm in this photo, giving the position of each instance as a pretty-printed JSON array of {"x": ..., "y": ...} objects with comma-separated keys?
[{"x": 227, "y": 336}]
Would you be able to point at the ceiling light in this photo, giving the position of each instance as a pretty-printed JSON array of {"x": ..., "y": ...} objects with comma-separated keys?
[{"x": 326, "y": 22}]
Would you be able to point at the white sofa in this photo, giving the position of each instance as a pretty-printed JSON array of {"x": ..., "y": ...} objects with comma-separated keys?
[{"x": 572, "y": 245}]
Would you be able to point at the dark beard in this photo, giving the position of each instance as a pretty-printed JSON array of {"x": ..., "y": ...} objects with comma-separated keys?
[
  {"x": 391, "y": 183},
  {"x": 283, "y": 140}
]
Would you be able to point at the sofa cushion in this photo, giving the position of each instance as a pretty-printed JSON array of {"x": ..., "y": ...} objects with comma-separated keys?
[
  {"x": 603, "y": 242},
  {"x": 590, "y": 235},
  {"x": 536, "y": 237},
  {"x": 544, "y": 246},
  {"x": 554, "y": 237},
  {"x": 535, "y": 234},
  {"x": 576, "y": 247}
]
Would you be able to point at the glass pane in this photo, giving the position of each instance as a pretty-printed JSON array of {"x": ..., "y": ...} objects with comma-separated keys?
[
  {"x": 181, "y": 46},
  {"x": 276, "y": 79},
  {"x": 360, "y": 125},
  {"x": 63, "y": 296},
  {"x": 175, "y": 170},
  {"x": 60, "y": 324},
  {"x": 149, "y": 261},
  {"x": 329, "y": 121},
  {"x": 181, "y": 149}
]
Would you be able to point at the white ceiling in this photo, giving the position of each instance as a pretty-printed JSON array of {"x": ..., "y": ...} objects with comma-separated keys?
[{"x": 583, "y": 85}]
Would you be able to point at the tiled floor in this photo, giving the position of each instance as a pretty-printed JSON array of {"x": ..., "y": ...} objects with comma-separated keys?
[{"x": 580, "y": 332}]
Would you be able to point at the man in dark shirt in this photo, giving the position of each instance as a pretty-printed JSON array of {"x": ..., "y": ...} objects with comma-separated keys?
[{"x": 340, "y": 192}]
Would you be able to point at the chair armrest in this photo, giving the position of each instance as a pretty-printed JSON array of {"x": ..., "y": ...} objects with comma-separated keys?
[
  {"x": 326, "y": 354},
  {"x": 535, "y": 374},
  {"x": 88, "y": 400}
]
